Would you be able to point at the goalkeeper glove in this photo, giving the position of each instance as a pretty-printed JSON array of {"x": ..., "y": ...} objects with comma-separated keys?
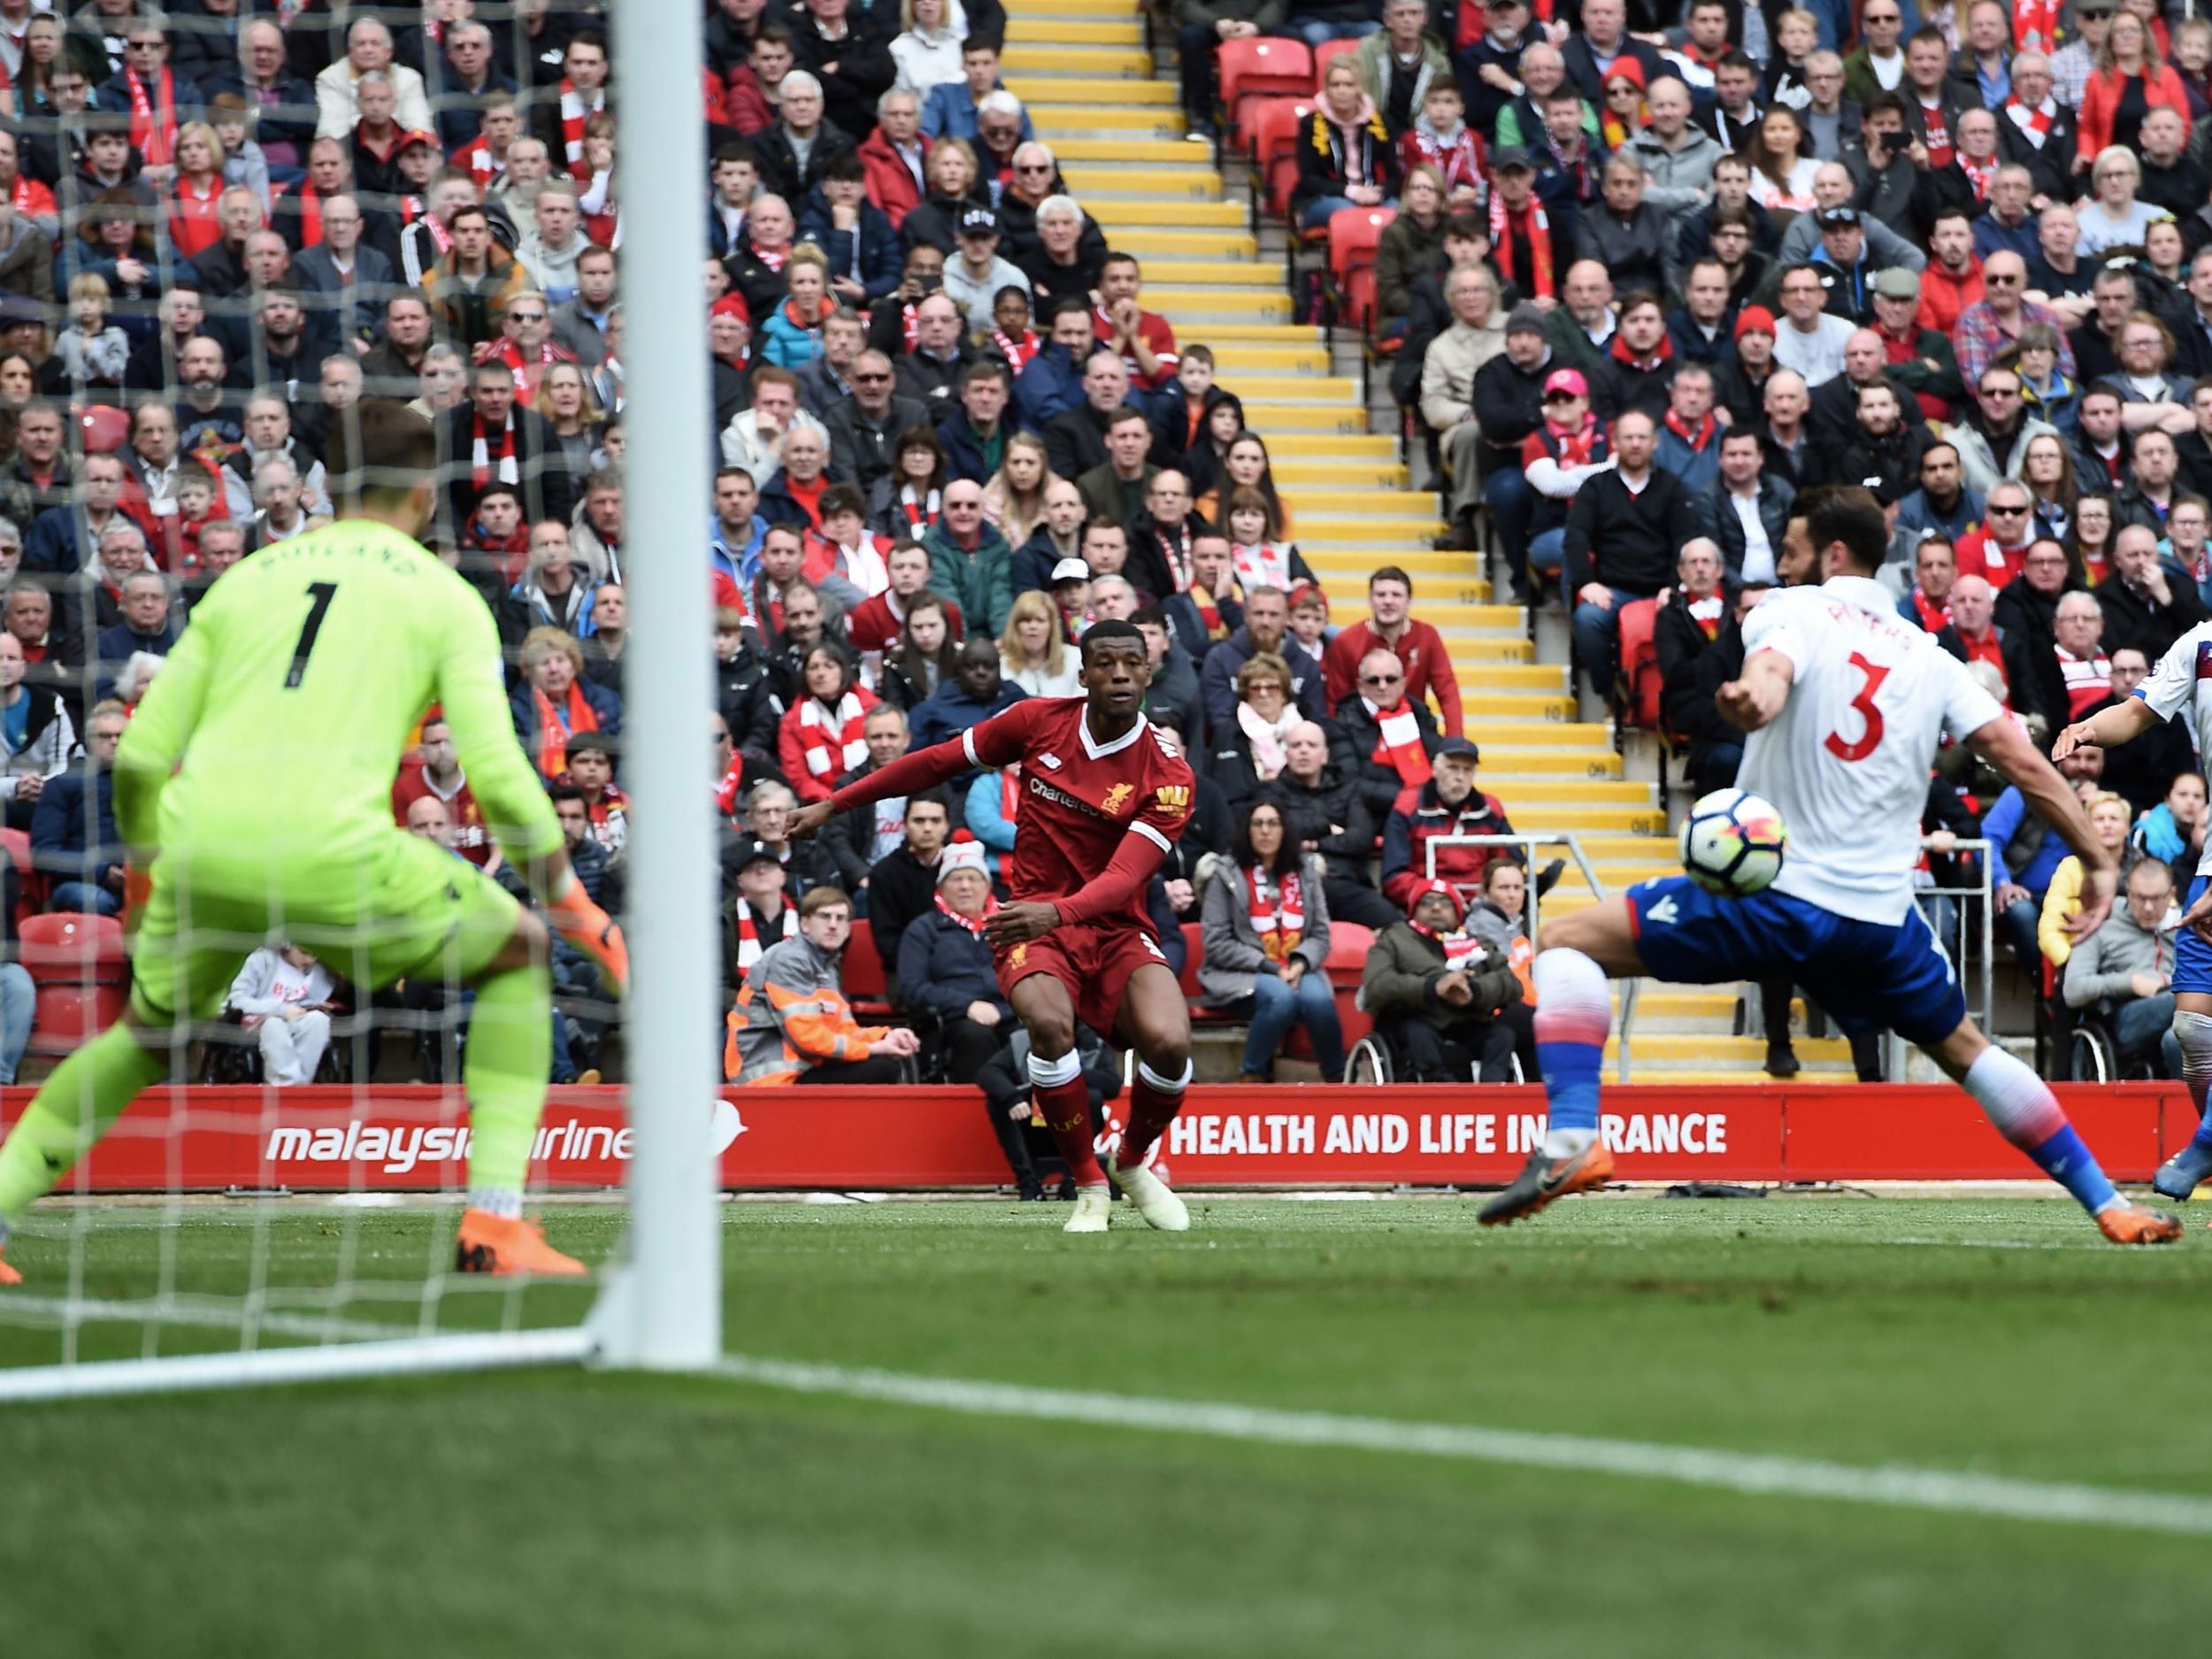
[
  {"x": 138, "y": 890},
  {"x": 587, "y": 927}
]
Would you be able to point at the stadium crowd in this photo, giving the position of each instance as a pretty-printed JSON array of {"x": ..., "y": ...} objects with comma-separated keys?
[{"x": 1650, "y": 275}]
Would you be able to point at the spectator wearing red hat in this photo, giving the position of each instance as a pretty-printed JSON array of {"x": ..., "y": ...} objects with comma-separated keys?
[
  {"x": 1569, "y": 447},
  {"x": 1740, "y": 380},
  {"x": 1419, "y": 649},
  {"x": 1435, "y": 992}
]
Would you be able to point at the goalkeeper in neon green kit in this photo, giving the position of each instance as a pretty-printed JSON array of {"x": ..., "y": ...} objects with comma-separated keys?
[{"x": 282, "y": 713}]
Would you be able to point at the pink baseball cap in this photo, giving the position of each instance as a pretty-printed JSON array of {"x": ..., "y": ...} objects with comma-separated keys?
[{"x": 1567, "y": 380}]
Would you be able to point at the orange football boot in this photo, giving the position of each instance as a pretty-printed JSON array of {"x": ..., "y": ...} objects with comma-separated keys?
[
  {"x": 2126, "y": 1223},
  {"x": 9, "y": 1275},
  {"x": 1542, "y": 1179},
  {"x": 487, "y": 1244}
]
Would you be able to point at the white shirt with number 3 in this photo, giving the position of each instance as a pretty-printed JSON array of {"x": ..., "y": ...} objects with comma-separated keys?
[{"x": 1846, "y": 762}]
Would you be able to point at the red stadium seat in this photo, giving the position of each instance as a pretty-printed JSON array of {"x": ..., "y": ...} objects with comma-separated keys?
[
  {"x": 861, "y": 973},
  {"x": 1353, "y": 233},
  {"x": 1257, "y": 68},
  {"x": 1640, "y": 683},
  {"x": 66, "y": 948},
  {"x": 67, "y": 1017},
  {"x": 106, "y": 428},
  {"x": 1272, "y": 139},
  {"x": 1327, "y": 53}
]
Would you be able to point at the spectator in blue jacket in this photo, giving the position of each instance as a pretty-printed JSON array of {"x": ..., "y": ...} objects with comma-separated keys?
[
  {"x": 88, "y": 873},
  {"x": 954, "y": 110},
  {"x": 976, "y": 692},
  {"x": 854, "y": 234},
  {"x": 145, "y": 626},
  {"x": 1052, "y": 382},
  {"x": 990, "y": 797}
]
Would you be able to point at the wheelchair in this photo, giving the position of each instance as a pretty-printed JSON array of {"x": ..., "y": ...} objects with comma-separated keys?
[{"x": 1374, "y": 1060}]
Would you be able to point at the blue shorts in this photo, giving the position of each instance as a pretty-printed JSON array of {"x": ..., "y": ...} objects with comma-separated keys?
[
  {"x": 1867, "y": 976},
  {"x": 2193, "y": 957}
]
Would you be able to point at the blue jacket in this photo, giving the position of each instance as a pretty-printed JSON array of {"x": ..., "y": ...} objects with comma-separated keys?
[
  {"x": 57, "y": 828},
  {"x": 606, "y": 707},
  {"x": 1915, "y": 511},
  {"x": 874, "y": 262},
  {"x": 948, "y": 112},
  {"x": 943, "y": 967},
  {"x": 787, "y": 344},
  {"x": 947, "y": 711},
  {"x": 740, "y": 565},
  {"x": 986, "y": 819},
  {"x": 2001, "y": 825},
  {"x": 962, "y": 459},
  {"x": 115, "y": 647},
  {"x": 1051, "y": 385}
]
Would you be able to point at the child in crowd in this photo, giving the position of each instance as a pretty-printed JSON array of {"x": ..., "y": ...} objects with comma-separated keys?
[
  {"x": 243, "y": 164},
  {"x": 1441, "y": 137},
  {"x": 92, "y": 350}
]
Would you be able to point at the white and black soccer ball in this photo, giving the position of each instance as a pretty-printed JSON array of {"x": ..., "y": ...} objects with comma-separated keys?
[{"x": 1733, "y": 843}]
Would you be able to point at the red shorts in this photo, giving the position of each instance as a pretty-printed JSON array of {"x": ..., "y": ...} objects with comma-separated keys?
[{"x": 1093, "y": 962}]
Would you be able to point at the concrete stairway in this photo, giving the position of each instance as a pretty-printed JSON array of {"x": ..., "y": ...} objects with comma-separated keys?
[{"x": 1080, "y": 68}]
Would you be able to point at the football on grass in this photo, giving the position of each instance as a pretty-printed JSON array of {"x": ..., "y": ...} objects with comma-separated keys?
[{"x": 1732, "y": 842}]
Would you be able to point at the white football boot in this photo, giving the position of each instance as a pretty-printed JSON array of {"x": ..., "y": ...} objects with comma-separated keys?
[
  {"x": 1154, "y": 1199},
  {"x": 1093, "y": 1205}
]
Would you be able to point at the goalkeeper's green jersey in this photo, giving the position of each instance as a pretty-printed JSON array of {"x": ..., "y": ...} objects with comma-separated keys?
[{"x": 287, "y": 702}]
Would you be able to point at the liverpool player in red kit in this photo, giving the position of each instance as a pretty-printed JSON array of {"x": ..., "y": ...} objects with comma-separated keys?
[{"x": 1104, "y": 795}]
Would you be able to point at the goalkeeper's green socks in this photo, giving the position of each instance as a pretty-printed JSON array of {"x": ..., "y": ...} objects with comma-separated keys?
[
  {"x": 86, "y": 1094},
  {"x": 509, "y": 1054}
]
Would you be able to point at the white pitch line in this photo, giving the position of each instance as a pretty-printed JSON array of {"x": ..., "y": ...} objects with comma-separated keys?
[{"x": 1942, "y": 1491}]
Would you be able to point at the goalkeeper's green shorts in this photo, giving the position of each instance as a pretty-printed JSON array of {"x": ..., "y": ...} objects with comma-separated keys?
[{"x": 412, "y": 909}]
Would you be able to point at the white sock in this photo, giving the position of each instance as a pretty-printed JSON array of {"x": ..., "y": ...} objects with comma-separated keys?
[
  {"x": 2193, "y": 1033},
  {"x": 496, "y": 1202}
]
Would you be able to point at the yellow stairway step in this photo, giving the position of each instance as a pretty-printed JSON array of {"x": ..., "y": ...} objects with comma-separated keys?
[
  {"x": 1515, "y": 676},
  {"x": 1071, "y": 120},
  {"x": 1572, "y": 764},
  {"x": 1533, "y": 799},
  {"x": 1089, "y": 10},
  {"x": 1385, "y": 524},
  {"x": 1268, "y": 334},
  {"x": 1273, "y": 417},
  {"x": 1367, "y": 446},
  {"x": 1243, "y": 276},
  {"x": 1667, "y": 1001},
  {"x": 1698, "y": 1045},
  {"x": 1031, "y": 62},
  {"x": 1297, "y": 477},
  {"x": 1031, "y": 28},
  {"x": 1086, "y": 89},
  {"x": 1232, "y": 358},
  {"x": 1507, "y": 738},
  {"x": 1167, "y": 254},
  {"x": 1088, "y": 180},
  {"x": 1179, "y": 302},
  {"x": 1134, "y": 153},
  {"x": 1118, "y": 215},
  {"x": 1481, "y": 657},
  {"x": 1479, "y": 706},
  {"x": 1406, "y": 502}
]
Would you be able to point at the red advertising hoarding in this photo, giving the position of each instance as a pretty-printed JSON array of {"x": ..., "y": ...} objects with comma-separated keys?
[{"x": 416, "y": 1139}]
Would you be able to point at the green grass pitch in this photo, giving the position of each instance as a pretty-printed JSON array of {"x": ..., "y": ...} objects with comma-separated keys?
[{"x": 562, "y": 1512}]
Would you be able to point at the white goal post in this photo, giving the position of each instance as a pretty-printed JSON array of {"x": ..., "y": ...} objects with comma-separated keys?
[{"x": 659, "y": 1307}]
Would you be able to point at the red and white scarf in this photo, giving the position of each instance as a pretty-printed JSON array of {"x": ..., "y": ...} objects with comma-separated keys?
[
  {"x": 20, "y": 193},
  {"x": 2035, "y": 123},
  {"x": 749, "y": 945},
  {"x": 529, "y": 368},
  {"x": 1708, "y": 613},
  {"x": 1573, "y": 449},
  {"x": 830, "y": 754},
  {"x": 971, "y": 924},
  {"x": 1939, "y": 135},
  {"x": 1461, "y": 950},
  {"x": 1281, "y": 924},
  {"x": 153, "y": 130},
  {"x": 1018, "y": 353},
  {"x": 573, "y": 112},
  {"x": 1978, "y": 175},
  {"x": 1266, "y": 565},
  {"x": 1175, "y": 554},
  {"x": 483, "y": 453},
  {"x": 1530, "y": 222},
  {"x": 1706, "y": 432},
  {"x": 1399, "y": 745},
  {"x": 2088, "y": 680},
  {"x": 919, "y": 512}
]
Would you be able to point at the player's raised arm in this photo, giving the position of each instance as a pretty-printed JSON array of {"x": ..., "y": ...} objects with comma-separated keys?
[
  {"x": 996, "y": 741},
  {"x": 2006, "y": 747},
  {"x": 507, "y": 788},
  {"x": 1757, "y": 696},
  {"x": 2108, "y": 728}
]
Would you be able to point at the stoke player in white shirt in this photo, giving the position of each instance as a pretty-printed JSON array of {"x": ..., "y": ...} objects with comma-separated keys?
[
  {"x": 2180, "y": 686},
  {"x": 1845, "y": 703}
]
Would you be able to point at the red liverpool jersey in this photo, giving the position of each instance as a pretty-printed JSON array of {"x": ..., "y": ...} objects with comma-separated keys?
[{"x": 1079, "y": 799}]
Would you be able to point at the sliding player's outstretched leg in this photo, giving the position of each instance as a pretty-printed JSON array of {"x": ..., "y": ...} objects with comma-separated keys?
[
  {"x": 1156, "y": 1020},
  {"x": 1574, "y": 1015},
  {"x": 70, "y": 1112},
  {"x": 2021, "y": 1107}
]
